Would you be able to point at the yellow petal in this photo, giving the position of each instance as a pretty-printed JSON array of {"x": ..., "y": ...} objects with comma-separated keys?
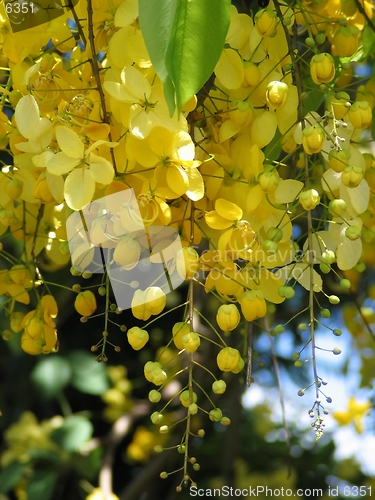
[
  {"x": 214, "y": 220},
  {"x": 195, "y": 190},
  {"x": 101, "y": 169},
  {"x": 161, "y": 142},
  {"x": 69, "y": 142},
  {"x": 126, "y": 13},
  {"x": 287, "y": 191},
  {"x": 227, "y": 130},
  {"x": 79, "y": 188},
  {"x": 229, "y": 69},
  {"x": 27, "y": 115},
  {"x": 18, "y": 293},
  {"x": 263, "y": 128},
  {"x": 55, "y": 184},
  {"x": 60, "y": 164},
  {"x": 228, "y": 210},
  {"x": 177, "y": 179},
  {"x": 135, "y": 83}
]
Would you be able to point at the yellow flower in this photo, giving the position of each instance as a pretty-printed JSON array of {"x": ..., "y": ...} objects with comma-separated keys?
[
  {"x": 338, "y": 160},
  {"x": 322, "y": 68},
  {"x": 148, "y": 302},
  {"x": 355, "y": 413},
  {"x": 85, "y": 303},
  {"x": 154, "y": 373},
  {"x": 147, "y": 103}
]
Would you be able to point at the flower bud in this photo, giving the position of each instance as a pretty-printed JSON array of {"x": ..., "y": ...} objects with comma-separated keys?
[
  {"x": 309, "y": 199},
  {"x": 186, "y": 400},
  {"x": 14, "y": 188},
  {"x": 228, "y": 317},
  {"x": 252, "y": 73},
  {"x": 127, "y": 252},
  {"x": 360, "y": 114},
  {"x": 41, "y": 190},
  {"x": 85, "y": 303},
  {"x": 277, "y": 94},
  {"x": 269, "y": 179},
  {"x": 253, "y": 305},
  {"x": 187, "y": 263},
  {"x": 338, "y": 160},
  {"x": 154, "y": 396},
  {"x": 337, "y": 207},
  {"x": 353, "y": 233},
  {"x": 227, "y": 359},
  {"x": 322, "y": 68},
  {"x": 313, "y": 139},
  {"x": 345, "y": 41},
  {"x": 178, "y": 331},
  {"x": 219, "y": 387},
  {"x": 137, "y": 338},
  {"x": 352, "y": 176},
  {"x": 191, "y": 341},
  {"x": 265, "y": 22},
  {"x": 215, "y": 415}
]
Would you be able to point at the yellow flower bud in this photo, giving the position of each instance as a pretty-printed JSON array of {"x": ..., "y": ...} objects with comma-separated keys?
[
  {"x": 137, "y": 337},
  {"x": 187, "y": 263},
  {"x": 322, "y": 68},
  {"x": 338, "y": 160},
  {"x": 127, "y": 252},
  {"x": 252, "y": 73},
  {"x": 185, "y": 398},
  {"x": 239, "y": 367},
  {"x": 41, "y": 190},
  {"x": 139, "y": 306},
  {"x": 269, "y": 179},
  {"x": 156, "y": 299},
  {"x": 277, "y": 94},
  {"x": 352, "y": 176},
  {"x": 313, "y": 139},
  {"x": 345, "y": 41},
  {"x": 6, "y": 217},
  {"x": 14, "y": 188},
  {"x": 338, "y": 105},
  {"x": 228, "y": 317},
  {"x": 85, "y": 303},
  {"x": 154, "y": 373},
  {"x": 16, "y": 321},
  {"x": 360, "y": 114},
  {"x": 309, "y": 199},
  {"x": 178, "y": 331},
  {"x": 265, "y": 22},
  {"x": 253, "y": 305},
  {"x": 227, "y": 359},
  {"x": 191, "y": 341}
]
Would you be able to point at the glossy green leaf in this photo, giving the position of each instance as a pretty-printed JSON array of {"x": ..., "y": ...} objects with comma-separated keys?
[
  {"x": 156, "y": 20},
  {"x": 75, "y": 431},
  {"x": 41, "y": 485},
  {"x": 51, "y": 375},
  {"x": 88, "y": 376},
  {"x": 196, "y": 42}
]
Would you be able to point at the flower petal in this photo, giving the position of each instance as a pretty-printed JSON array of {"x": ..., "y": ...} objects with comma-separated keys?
[
  {"x": 69, "y": 142},
  {"x": 101, "y": 169},
  {"x": 79, "y": 188},
  {"x": 61, "y": 164},
  {"x": 228, "y": 210},
  {"x": 27, "y": 115}
]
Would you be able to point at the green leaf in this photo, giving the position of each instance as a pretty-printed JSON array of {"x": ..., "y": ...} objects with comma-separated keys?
[
  {"x": 75, "y": 431},
  {"x": 273, "y": 149},
  {"x": 88, "y": 376},
  {"x": 10, "y": 476},
  {"x": 51, "y": 375},
  {"x": 156, "y": 19},
  {"x": 368, "y": 41},
  {"x": 196, "y": 42},
  {"x": 41, "y": 485},
  {"x": 313, "y": 101}
]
